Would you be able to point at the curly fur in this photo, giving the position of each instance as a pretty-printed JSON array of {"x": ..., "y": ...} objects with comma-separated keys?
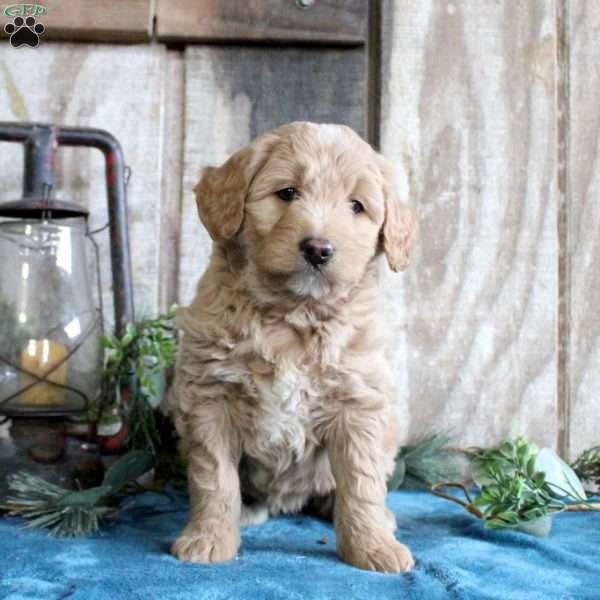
[{"x": 283, "y": 394}]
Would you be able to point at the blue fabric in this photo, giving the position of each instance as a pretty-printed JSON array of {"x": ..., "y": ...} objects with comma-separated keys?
[{"x": 456, "y": 558}]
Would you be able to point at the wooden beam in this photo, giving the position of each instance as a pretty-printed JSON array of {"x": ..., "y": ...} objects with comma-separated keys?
[
  {"x": 282, "y": 21},
  {"x": 89, "y": 20}
]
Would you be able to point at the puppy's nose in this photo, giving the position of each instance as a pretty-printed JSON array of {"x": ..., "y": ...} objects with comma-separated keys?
[{"x": 316, "y": 251}]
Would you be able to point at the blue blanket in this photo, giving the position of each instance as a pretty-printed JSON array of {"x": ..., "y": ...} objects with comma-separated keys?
[{"x": 456, "y": 558}]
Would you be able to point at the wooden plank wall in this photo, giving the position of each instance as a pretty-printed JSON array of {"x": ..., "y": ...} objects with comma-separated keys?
[
  {"x": 469, "y": 118},
  {"x": 582, "y": 204},
  {"x": 488, "y": 111}
]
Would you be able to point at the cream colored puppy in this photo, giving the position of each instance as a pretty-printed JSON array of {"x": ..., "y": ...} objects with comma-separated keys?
[{"x": 283, "y": 395}]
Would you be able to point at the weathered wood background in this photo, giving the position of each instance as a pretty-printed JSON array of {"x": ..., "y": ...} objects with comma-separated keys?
[{"x": 489, "y": 111}]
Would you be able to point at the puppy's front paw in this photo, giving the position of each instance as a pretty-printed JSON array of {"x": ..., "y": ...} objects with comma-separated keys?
[
  {"x": 209, "y": 542},
  {"x": 377, "y": 551}
]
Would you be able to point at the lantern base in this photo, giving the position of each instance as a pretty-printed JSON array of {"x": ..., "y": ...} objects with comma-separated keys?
[{"x": 44, "y": 448}]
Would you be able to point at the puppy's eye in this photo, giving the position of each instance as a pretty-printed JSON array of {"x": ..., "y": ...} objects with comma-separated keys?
[
  {"x": 357, "y": 207},
  {"x": 288, "y": 194}
]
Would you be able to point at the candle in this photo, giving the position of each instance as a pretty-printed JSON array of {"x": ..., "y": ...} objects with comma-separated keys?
[{"x": 39, "y": 357}]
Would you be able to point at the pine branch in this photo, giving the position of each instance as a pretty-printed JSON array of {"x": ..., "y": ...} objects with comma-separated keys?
[
  {"x": 426, "y": 462},
  {"x": 68, "y": 513},
  {"x": 587, "y": 466},
  {"x": 55, "y": 508}
]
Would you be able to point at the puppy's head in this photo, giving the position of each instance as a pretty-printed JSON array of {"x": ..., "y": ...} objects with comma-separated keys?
[{"x": 312, "y": 205}]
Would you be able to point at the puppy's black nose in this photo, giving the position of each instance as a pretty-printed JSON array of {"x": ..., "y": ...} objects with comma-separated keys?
[{"x": 316, "y": 251}]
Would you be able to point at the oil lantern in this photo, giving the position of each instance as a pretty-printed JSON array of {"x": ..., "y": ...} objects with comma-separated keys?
[{"x": 50, "y": 353}]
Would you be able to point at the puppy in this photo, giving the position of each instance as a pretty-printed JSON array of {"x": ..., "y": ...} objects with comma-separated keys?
[{"x": 283, "y": 396}]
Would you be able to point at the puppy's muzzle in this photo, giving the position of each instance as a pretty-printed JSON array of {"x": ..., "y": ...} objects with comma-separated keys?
[{"x": 316, "y": 251}]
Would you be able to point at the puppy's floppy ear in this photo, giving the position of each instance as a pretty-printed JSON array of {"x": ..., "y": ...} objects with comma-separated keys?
[
  {"x": 221, "y": 191},
  {"x": 400, "y": 227}
]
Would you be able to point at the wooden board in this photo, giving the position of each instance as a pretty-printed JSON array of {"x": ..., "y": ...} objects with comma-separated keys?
[
  {"x": 321, "y": 22},
  {"x": 583, "y": 198},
  {"x": 89, "y": 20},
  {"x": 172, "y": 168},
  {"x": 234, "y": 94},
  {"x": 469, "y": 118},
  {"x": 79, "y": 85}
]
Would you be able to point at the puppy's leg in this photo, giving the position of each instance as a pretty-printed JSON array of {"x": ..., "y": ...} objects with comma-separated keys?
[
  {"x": 212, "y": 447},
  {"x": 362, "y": 522}
]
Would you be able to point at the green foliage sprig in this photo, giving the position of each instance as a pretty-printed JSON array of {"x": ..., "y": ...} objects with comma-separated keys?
[
  {"x": 146, "y": 350},
  {"x": 513, "y": 490},
  {"x": 520, "y": 487}
]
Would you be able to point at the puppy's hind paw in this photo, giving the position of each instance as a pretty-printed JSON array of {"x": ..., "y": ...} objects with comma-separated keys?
[{"x": 211, "y": 544}]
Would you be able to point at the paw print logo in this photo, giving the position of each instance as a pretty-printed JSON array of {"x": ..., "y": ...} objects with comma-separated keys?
[{"x": 24, "y": 32}]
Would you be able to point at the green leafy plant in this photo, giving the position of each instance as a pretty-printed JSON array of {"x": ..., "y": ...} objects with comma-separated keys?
[
  {"x": 68, "y": 513},
  {"x": 144, "y": 353},
  {"x": 513, "y": 491},
  {"x": 520, "y": 487},
  {"x": 426, "y": 462}
]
